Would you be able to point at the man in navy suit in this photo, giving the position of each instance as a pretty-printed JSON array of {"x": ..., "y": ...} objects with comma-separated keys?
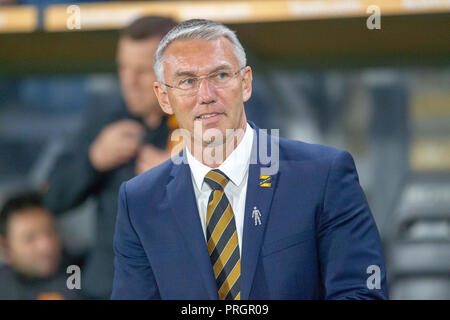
[{"x": 219, "y": 221}]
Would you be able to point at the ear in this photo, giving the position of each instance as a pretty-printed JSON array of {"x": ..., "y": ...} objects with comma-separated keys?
[
  {"x": 162, "y": 96},
  {"x": 247, "y": 84}
]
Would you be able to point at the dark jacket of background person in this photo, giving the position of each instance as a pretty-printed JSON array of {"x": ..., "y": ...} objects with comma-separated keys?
[
  {"x": 73, "y": 179},
  {"x": 14, "y": 286}
]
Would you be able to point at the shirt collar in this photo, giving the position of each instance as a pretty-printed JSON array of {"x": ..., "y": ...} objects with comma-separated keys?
[{"x": 235, "y": 166}]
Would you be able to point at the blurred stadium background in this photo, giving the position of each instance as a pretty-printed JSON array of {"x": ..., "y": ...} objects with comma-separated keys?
[{"x": 321, "y": 76}]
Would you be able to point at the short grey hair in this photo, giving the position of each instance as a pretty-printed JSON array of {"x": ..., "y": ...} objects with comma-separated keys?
[{"x": 197, "y": 29}]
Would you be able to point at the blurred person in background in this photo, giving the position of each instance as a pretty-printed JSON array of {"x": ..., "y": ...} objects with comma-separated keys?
[
  {"x": 31, "y": 248},
  {"x": 115, "y": 144}
]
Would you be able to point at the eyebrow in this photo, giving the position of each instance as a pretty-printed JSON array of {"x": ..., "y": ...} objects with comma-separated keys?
[{"x": 192, "y": 74}]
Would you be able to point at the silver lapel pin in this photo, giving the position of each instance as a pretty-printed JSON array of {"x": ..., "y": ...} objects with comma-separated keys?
[{"x": 256, "y": 214}]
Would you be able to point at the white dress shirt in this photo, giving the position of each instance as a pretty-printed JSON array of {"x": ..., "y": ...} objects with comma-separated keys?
[{"x": 236, "y": 168}]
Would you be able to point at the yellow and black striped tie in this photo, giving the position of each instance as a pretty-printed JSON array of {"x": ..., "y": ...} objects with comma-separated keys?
[{"x": 222, "y": 240}]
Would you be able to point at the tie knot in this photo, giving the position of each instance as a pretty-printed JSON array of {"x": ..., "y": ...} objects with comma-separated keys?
[{"x": 216, "y": 179}]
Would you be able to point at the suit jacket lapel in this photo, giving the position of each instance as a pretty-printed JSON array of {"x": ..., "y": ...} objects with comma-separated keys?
[
  {"x": 261, "y": 198},
  {"x": 184, "y": 208}
]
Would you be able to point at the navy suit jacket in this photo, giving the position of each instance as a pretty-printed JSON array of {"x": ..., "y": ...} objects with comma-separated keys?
[{"x": 317, "y": 238}]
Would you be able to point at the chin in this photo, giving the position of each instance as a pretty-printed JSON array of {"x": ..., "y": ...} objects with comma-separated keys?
[
  {"x": 48, "y": 266},
  {"x": 47, "y": 271},
  {"x": 137, "y": 110}
]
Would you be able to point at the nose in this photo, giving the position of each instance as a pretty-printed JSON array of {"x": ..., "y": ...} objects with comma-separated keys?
[{"x": 206, "y": 92}]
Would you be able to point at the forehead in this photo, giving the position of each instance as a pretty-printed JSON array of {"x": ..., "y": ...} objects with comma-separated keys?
[
  {"x": 198, "y": 56},
  {"x": 138, "y": 50},
  {"x": 28, "y": 219}
]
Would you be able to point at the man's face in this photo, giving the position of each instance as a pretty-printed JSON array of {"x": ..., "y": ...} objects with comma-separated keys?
[
  {"x": 135, "y": 65},
  {"x": 32, "y": 245},
  {"x": 185, "y": 58}
]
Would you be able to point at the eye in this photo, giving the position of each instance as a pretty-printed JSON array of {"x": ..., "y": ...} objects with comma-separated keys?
[
  {"x": 187, "y": 82},
  {"x": 222, "y": 75}
]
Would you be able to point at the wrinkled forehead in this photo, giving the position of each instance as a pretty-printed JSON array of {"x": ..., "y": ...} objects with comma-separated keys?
[{"x": 198, "y": 56}]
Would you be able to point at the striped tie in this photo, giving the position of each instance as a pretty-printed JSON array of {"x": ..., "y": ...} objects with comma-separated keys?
[{"x": 221, "y": 236}]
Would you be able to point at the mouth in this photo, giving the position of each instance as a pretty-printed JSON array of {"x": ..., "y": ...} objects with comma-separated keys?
[{"x": 209, "y": 117}]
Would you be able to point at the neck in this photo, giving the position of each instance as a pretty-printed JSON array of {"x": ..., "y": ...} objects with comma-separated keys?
[
  {"x": 213, "y": 155},
  {"x": 152, "y": 119}
]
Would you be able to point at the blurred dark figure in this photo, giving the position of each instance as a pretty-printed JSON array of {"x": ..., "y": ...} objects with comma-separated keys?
[
  {"x": 8, "y": 2},
  {"x": 31, "y": 248},
  {"x": 115, "y": 144}
]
